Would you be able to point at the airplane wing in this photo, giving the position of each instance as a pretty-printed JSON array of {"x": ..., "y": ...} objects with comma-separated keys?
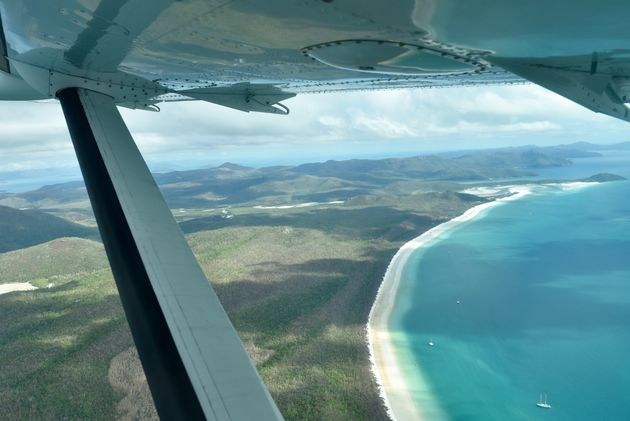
[
  {"x": 233, "y": 52},
  {"x": 94, "y": 55}
]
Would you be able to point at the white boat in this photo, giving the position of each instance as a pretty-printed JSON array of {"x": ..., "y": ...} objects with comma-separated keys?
[
  {"x": 543, "y": 404},
  {"x": 431, "y": 342}
]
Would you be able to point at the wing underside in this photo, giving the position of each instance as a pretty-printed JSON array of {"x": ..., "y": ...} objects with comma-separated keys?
[{"x": 250, "y": 55}]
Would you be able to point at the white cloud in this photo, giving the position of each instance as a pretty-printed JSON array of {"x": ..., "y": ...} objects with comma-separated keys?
[
  {"x": 473, "y": 127},
  {"x": 381, "y": 127},
  {"x": 343, "y": 124},
  {"x": 333, "y": 122}
]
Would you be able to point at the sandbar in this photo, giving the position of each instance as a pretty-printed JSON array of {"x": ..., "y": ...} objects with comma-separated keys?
[{"x": 16, "y": 286}]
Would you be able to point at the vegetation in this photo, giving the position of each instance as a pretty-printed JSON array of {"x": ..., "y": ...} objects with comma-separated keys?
[
  {"x": 44, "y": 263},
  {"x": 297, "y": 282},
  {"x": 56, "y": 345},
  {"x": 23, "y": 228}
]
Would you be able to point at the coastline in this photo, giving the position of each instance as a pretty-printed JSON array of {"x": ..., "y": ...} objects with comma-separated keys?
[
  {"x": 385, "y": 367},
  {"x": 393, "y": 387}
]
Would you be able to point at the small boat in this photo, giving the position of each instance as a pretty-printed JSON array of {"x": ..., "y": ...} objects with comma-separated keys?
[
  {"x": 430, "y": 343},
  {"x": 543, "y": 404},
  {"x": 458, "y": 301}
]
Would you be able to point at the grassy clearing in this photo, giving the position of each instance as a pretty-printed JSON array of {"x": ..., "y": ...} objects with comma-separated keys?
[
  {"x": 304, "y": 295},
  {"x": 52, "y": 261},
  {"x": 55, "y": 348}
]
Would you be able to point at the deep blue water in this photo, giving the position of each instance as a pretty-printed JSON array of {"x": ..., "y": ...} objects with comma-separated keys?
[
  {"x": 544, "y": 290},
  {"x": 616, "y": 162}
]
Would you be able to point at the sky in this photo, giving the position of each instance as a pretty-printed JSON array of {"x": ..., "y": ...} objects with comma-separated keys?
[{"x": 35, "y": 145}]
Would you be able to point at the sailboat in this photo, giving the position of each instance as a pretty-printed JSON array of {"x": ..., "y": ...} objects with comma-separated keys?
[{"x": 543, "y": 404}]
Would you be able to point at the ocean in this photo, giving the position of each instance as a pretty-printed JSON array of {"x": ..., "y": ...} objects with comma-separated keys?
[{"x": 530, "y": 297}]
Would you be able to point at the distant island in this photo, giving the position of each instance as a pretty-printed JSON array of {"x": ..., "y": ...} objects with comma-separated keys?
[{"x": 603, "y": 177}]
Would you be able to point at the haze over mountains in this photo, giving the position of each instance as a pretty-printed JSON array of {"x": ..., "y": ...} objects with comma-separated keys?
[
  {"x": 24, "y": 228},
  {"x": 356, "y": 182},
  {"x": 231, "y": 184}
]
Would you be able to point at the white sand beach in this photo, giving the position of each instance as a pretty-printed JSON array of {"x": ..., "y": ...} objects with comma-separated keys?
[
  {"x": 576, "y": 185},
  {"x": 16, "y": 286},
  {"x": 498, "y": 190},
  {"x": 394, "y": 390}
]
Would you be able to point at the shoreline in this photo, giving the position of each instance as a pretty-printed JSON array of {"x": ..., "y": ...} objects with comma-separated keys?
[{"x": 392, "y": 385}]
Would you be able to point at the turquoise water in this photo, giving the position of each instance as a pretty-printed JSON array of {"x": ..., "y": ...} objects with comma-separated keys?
[{"x": 544, "y": 290}]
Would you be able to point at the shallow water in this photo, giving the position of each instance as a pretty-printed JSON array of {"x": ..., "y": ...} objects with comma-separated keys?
[{"x": 544, "y": 290}]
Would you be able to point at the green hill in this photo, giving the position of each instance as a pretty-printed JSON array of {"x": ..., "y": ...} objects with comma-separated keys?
[
  {"x": 515, "y": 158},
  {"x": 24, "y": 228},
  {"x": 59, "y": 257},
  {"x": 230, "y": 184}
]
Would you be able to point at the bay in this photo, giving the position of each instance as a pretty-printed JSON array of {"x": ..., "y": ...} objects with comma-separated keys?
[{"x": 543, "y": 285}]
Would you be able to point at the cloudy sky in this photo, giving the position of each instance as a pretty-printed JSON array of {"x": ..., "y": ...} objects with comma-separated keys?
[{"x": 321, "y": 126}]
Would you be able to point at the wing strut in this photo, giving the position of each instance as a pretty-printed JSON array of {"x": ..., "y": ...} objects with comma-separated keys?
[{"x": 195, "y": 363}]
